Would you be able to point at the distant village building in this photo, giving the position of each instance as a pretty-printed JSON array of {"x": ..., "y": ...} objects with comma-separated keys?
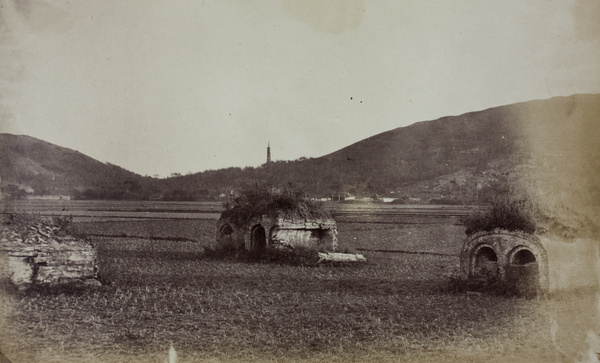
[
  {"x": 321, "y": 199},
  {"x": 49, "y": 197},
  {"x": 156, "y": 197}
]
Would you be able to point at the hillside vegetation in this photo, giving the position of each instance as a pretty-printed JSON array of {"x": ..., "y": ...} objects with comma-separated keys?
[
  {"x": 29, "y": 165},
  {"x": 454, "y": 159}
]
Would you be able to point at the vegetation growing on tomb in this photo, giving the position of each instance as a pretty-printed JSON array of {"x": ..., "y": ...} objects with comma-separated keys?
[
  {"x": 511, "y": 210},
  {"x": 521, "y": 204},
  {"x": 260, "y": 199}
]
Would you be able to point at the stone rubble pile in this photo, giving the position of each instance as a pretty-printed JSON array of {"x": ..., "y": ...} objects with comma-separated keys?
[{"x": 40, "y": 254}]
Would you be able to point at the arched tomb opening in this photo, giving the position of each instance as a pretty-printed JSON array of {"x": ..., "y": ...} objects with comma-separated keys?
[
  {"x": 228, "y": 236},
  {"x": 485, "y": 263},
  {"x": 522, "y": 271},
  {"x": 258, "y": 239},
  {"x": 225, "y": 233}
]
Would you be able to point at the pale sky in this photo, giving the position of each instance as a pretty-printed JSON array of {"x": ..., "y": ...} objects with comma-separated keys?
[{"x": 183, "y": 86}]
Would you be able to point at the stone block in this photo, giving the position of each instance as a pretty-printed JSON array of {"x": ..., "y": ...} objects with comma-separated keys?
[{"x": 38, "y": 256}]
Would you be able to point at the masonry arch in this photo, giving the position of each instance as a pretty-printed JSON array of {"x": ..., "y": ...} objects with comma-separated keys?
[
  {"x": 516, "y": 253},
  {"x": 225, "y": 231}
]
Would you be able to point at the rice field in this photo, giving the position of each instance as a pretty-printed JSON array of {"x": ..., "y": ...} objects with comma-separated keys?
[{"x": 160, "y": 289}]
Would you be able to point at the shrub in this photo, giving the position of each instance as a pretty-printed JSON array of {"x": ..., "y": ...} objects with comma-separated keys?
[
  {"x": 510, "y": 210},
  {"x": 534, "y": 205},
  {"x": 262, "y": 199}
]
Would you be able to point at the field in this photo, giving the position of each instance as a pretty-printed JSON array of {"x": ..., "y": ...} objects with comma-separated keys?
[{"x": 160, "y": 289}]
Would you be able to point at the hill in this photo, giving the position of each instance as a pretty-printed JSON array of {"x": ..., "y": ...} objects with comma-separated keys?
[
  {"x": 562, "y": 133},
  {"x": 553, "y": 143},
  {"x": 30, "y": 165}
]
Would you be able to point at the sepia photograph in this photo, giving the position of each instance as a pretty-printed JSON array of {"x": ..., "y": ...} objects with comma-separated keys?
[{"x": 299, "y": 181}]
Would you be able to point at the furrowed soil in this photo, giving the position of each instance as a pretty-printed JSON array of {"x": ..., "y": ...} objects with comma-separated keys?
[{"x": 159, "y": 289}]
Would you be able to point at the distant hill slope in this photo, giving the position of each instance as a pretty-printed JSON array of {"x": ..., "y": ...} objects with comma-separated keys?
[
  {"x": 509, "y": 136},
  {"x": 554, "y": 141},
  {"x": 39, "y": 167}
]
